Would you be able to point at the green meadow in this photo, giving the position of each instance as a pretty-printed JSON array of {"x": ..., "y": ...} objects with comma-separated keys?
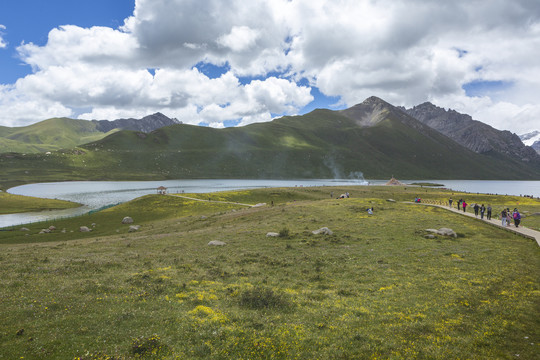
[
  {"x": 376, "y": 288},
  {"x": 10, "y": 204}
]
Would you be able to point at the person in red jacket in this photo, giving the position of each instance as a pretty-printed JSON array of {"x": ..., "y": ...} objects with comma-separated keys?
[{"x": 464, "y": 205}]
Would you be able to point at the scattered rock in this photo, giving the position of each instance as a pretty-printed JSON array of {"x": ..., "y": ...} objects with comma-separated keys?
[
  {"x": 443, "y": 232},
  {"x": 25, "y": 229},
  {"x": 45, "y": 231},
  {"x": 127, "y": 220},
  {"x": 63, "y": 231},
  {"x": 272, "y": 234},
  {"x": 204, "y": 217},
  {"x": 133, "y": 228},
  {"x": 429, "y": 236},
  {"x": 216, "y": 243},
  {"x": 84, "y": 229},
  {"x": 259, "y": 205},
  {"x": 323, "y": 230},
  {"x": 93, "y": 225},
  {"x": 447, "y": 232},
  {"x": 390, "y": 200},
  {"x": 52, "y": 227}
]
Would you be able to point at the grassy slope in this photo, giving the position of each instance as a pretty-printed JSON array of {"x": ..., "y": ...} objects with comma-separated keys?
[
  {"x": 10, "y": 204},
  {"x": 368, "y": 291},
  {"x": 49, "y": 135}
]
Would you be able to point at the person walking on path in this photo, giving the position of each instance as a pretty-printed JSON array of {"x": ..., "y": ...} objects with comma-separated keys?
[
  {"x": 476, "y": 208},
  {"x": 503, "y": 217},
  {"x": 482, "y": 211},
  {"x": 517, "y": 217},
  {"x": 450, "y": 202},
  {"x": 459, "y": 203},
  {"x": 488, "y": 212},
  {"x": 464, "y": 204},
  {"x": 508, "y": 217}
]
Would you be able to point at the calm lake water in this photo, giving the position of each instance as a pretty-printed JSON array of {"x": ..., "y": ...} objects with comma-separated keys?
[{"x": 97, "y": 194}]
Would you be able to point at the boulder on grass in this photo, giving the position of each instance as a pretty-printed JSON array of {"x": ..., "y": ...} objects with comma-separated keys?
[
  {"x": 24, "y": 229},
  {"x": 127, "y": 220},
  {"x": 323, "y": 230},
  {"x": 84, "y": 229},
  {"x": 447, "y": 232},
  {"x": 443, "y": 232},
  {"x": 272, "y": 234},
  {"x": 216, "y": 243},
  {"x": 133, "y": 228}
]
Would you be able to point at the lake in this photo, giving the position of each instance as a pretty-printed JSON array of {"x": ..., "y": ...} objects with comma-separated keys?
[{"x": 98, "y": 194}]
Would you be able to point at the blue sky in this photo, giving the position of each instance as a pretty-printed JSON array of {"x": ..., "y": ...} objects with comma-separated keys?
[
  {"x": 235, "y": 63},
  {"x": 31, "y": 20}
]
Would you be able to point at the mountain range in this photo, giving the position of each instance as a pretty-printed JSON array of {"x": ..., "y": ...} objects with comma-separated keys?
[{"x": 374, "y": 139}]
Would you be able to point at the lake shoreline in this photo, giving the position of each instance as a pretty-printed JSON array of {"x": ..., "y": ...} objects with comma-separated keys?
[{"x": 95, "y": 195}]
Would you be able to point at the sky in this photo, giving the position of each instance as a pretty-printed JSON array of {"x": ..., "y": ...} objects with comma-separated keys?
[{"x": 231, "y": 63}]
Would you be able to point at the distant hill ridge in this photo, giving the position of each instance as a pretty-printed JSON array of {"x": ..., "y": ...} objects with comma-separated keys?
[
  {"x": 64, "y": 133},
  {"x": 374, "y": 138}
]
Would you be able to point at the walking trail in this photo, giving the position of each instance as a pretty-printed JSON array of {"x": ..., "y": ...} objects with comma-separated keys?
[
  {"x": 214, "y": 201},
  {"x": 523, "y": 231}
]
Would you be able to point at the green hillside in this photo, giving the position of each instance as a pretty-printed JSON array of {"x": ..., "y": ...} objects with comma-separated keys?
[
  {"x": 321, "y": 144},
  {"x": 49, "y": 135}
]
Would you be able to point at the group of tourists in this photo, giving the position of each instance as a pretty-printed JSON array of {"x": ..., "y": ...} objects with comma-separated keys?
[
  {"x": 461, "y": 204},
  {"x": 481, "y": 209},
  {"x": 507, "y": 216}
]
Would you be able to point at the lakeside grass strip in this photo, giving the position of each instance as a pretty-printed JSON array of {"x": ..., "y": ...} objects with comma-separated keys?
[{"x": 11, "y": 204}]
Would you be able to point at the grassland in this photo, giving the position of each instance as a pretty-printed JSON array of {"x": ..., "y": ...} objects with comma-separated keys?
[
  {"x": 11, "y": 204},
  {"x": 375, "y": 289}
]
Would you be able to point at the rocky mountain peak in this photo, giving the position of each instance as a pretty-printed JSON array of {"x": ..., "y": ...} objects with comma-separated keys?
[
  {"x": 147, "y": 124},
  {"x": 475, "y": 135},
  {"x": 370, "y": 112}
]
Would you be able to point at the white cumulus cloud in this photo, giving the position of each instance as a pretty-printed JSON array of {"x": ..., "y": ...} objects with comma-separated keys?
[
  {"x": 3, "y": 43},
  {"x": 404, "y": 51}
]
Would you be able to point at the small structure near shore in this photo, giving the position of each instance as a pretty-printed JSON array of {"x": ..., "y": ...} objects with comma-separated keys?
[
  {"x": 394, "y": 182},
  {"x": 162, "y": 190}
]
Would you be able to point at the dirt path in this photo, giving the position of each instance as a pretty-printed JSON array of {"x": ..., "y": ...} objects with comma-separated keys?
[
  {"x": 214, "y": 201},
  {"x": 523, "y": 231}
]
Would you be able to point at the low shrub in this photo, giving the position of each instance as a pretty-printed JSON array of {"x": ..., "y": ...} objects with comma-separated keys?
[
  {"x": 284, "y": 233},
  {"x": 148, "y": 346},
  {"x": 263, "y": 298}
]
